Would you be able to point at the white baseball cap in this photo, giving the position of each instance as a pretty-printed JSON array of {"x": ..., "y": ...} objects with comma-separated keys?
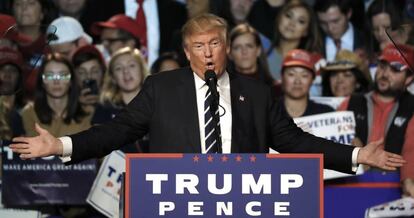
[{"x": 68, "y": 29}]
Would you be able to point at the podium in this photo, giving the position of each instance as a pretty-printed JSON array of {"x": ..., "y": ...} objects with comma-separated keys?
[{"x": 230, "y": 185}]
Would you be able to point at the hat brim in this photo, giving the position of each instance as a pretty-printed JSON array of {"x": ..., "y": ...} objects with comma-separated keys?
[
  {"x": 338, "y": 67},
  {"x": 299, "y": 64},
  {"x": 98, "y": 26}
]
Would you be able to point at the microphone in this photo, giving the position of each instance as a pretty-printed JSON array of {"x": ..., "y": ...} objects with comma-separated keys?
[{"x": 211, "y": 80}]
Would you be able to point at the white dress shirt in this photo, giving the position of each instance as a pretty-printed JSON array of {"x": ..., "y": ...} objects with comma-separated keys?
[
  {"x": 223, "y": 88},
  {"x": 153, "y": 25},
  {"x": 347, "y": 42}
]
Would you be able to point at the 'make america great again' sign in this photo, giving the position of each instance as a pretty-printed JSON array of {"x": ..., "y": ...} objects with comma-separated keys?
[{"x": 223, "y": 185}]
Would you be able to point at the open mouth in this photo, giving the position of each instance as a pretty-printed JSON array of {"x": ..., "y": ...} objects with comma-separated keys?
[{"x": 210, "y": 66}]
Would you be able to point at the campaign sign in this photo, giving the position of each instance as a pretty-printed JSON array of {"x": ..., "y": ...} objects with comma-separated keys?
[
  {"x": 228, "y": 185},
  {"x": 46, "y": 180}
]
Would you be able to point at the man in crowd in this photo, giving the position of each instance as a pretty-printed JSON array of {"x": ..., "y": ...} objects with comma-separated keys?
[
  {"x": 334, "y": 20},
  {"x": 387, "y": 112},
  {"x": 69, "y": 36},
  {"x": 174, "y": 108},
  {"x": 118, "y": 32}
]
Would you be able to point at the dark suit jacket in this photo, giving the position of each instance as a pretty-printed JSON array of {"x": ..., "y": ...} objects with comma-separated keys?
[
  {"x": 166, "y": 108},
  {"x": 360, "y": 41}
]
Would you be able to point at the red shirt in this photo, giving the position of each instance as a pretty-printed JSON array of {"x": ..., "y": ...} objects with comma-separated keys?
[{"x": 377, "y": 131}]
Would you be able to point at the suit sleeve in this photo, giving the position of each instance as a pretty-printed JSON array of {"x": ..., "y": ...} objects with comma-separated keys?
[
  {"x": 128, "y": 126},
  {"x": 286, "y": 137}
]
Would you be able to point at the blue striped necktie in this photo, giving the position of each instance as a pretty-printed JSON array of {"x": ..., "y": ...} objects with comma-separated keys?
[{"x": 212, "y": 146}]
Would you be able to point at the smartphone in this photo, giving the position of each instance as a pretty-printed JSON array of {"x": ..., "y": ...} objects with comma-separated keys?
[{"x": 92, "y": 85}]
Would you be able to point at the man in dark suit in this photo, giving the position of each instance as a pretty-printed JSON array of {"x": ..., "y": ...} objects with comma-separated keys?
[
  {"x": 339, "y": 33},
  {"x": 170, "y": 109}
]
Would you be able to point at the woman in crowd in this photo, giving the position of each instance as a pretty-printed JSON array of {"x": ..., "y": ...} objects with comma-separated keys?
[
  {"x": 126, "y": 74},
  {"x": 383, "y": 15},
  {"x": 11, "y": 99},
  {"x": 32, "y": 18},
  {"x": 347, "y": 75},
  {"x": 55, "y": 107},
  {"x": 246, "y": 54},
  {"x": 165, "y": 62},
  {"x": 295, "y": 28},
  {"x": 298, "y": 73}
]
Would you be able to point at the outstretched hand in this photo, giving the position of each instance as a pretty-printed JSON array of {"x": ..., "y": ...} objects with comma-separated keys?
[
  {"x": 43, "y": 145},
  {"x": 375, "y": 156}
]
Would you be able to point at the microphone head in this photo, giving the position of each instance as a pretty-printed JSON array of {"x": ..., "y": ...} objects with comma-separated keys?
[{"x": 210, "y": 75}]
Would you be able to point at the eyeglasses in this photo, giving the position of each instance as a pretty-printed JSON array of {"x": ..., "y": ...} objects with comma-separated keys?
[{"x": 49, "y": 77}]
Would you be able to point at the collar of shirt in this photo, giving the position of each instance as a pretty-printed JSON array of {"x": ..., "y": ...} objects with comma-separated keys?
[
  {"x": 223, "y": 82},
  {"x": 347, "y": 42}
]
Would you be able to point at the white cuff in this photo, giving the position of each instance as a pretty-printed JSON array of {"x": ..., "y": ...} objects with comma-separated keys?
[
  {"x": 67, "y": 148},
  {"x": 355, "y": 159}
]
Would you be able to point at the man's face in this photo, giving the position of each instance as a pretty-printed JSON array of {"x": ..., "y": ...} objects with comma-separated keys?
[
  {"x": 111, "y": 40},
  {"x": 67, "y": 49},
  {"x": 207, "y": 51},
  {"x": 333, "y": 22},
  {"x": 390, "y": 82}
]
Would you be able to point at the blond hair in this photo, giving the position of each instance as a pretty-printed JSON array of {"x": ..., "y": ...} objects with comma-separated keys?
[
  {"x": 204, "y": 23},
  {"x": 111, "y": 92}
]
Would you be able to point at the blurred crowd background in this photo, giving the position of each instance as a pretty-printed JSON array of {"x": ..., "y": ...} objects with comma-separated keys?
[{"x": 71, "y": 64}]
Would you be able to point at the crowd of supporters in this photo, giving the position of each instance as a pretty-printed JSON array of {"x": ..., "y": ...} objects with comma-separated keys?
[{"x": 70, "y": 64}]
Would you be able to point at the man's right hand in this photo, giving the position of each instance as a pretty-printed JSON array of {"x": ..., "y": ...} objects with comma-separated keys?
[{"x": 43, "y": 145}]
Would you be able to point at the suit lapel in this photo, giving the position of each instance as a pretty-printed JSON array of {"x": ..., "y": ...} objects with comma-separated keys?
[
  {"x": 238, "y": 108},
  {"x": 188, "y": 100}
]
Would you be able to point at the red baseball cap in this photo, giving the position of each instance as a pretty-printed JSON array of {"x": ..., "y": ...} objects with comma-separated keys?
[
  {"x": 300, "y": 58},
  {"x": 89, "y": 49},
  {"x": 10, "y": 56},
  {"x": 8, "y": 30},
  {"x": 391, "y": 55},
  {"x": 119, "y": 21}
]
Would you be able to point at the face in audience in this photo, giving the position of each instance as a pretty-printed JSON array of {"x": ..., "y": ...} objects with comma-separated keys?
[
  {"x": 244, "y": 52},
  {"x": 342, "y": 83},
  {"x": 294, "y": 23},
  {"x": 27, "y": 12},
  {"x": 71, "y": 7},
  {"x": 127, "y": 73},
  {"x": 240, "y": 9},
  {"x": 89, "y": 70},
  {"x": 381, "y": 23},
  {"x": 9, "y": 75},
  {"x": 169, "y": 64},
  {"x": 296, "y": 82},
  {"x": 197, "y": 7},
  {"x": 333, "y": 22},
  {"x": 56, "y": 79},
  {"x": 111, "y": 40},
  {"x": 389, "y": 81}
]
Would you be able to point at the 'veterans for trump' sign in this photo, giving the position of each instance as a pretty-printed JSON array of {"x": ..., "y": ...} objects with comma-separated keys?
[{"x": 228, "y": 185}]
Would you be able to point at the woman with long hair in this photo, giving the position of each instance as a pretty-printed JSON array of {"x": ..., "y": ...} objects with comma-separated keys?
[
  {"x": 55, "y": 106},
  {"x": 295, "y": 28},
  {"x": 246, "y": 54},
  {"x": 126, "y": 73}
]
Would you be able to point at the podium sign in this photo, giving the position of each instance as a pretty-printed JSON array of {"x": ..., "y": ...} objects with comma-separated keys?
[{"x": 231, "y": 185}]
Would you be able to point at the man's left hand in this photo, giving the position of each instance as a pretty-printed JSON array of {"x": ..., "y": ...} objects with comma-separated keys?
[{"x": 375, "y": 156}]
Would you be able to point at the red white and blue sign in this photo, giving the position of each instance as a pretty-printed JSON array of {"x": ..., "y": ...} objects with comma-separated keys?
[{"x": 228, "y": 185}]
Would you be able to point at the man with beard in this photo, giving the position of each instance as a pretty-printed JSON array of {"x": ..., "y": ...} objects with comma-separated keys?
[{"x": 387, "y": 111}]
